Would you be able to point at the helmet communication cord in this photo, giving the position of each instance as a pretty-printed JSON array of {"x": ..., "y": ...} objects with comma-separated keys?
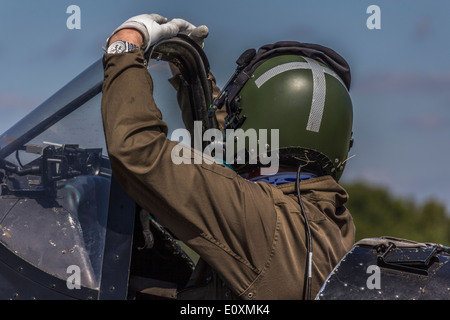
[{"x": 308, "y": 274}]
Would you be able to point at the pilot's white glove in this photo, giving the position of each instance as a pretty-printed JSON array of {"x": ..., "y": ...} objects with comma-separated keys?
[
  {"x": 153, "y": 28},
  {"x": 198, "y": 34}
]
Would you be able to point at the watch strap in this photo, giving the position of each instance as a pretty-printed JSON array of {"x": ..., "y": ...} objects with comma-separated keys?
[{"x": 128, "y": 47}]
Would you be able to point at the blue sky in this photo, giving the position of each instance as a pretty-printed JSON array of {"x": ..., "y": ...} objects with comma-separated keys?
[{"x": 401, "y": 73}]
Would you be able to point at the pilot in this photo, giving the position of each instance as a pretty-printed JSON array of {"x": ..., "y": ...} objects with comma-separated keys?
[{"x": 259, "y": 236}]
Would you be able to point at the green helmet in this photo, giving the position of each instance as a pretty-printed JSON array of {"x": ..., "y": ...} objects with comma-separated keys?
[{"x": 309, "y": 104}]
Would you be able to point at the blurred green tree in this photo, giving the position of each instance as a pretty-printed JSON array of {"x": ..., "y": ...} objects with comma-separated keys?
[{"x": 377, "y": 212}]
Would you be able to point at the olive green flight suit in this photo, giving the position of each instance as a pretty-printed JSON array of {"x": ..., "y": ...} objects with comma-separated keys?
[{"x": 251, "y": 234}]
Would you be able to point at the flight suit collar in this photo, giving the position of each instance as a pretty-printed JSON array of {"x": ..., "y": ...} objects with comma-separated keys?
[{"x": 325, "y": 186}]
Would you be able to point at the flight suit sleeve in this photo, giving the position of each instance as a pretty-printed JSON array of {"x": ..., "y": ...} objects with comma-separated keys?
[{"x": 229, "y": 221}]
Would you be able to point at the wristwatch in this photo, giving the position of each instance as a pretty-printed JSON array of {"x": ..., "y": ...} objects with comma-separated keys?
[{"x": 121, "y": 47}]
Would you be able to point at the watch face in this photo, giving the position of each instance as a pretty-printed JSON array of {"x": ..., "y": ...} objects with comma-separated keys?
[{"x": 117, "y": 47}]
